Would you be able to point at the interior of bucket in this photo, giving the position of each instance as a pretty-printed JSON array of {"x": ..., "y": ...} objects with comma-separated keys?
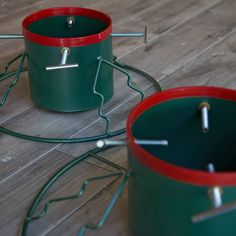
[
  {"x": 179, "y": 122},
  {"x": 57, "y": 26}
]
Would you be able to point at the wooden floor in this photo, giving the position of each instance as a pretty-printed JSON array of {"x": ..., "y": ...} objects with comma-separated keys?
[{"x": 189, "y": 43}]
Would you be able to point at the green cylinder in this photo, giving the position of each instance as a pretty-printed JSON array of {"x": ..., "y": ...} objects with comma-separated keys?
[
  {"x": 170, "y": 185},
  {"x": 86, "y": 35}
]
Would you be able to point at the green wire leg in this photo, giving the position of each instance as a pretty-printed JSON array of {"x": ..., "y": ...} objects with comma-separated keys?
[
  {"x": 77, "y": 195},
  {"x": 100, "y": 95},
  {"x": 108, "y": 210},
  {"x": 60, "y": 140},
  {"x": 4, "y": 75},
  {"x": 4, "y": 71},
  {"x": 92, "y": 153},
  {"x": 138, "y": 71}
]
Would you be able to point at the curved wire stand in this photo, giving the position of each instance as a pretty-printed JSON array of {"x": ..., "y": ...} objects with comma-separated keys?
[
  {"x": 4, "y": 75},
  {"x": 120, "y": 172},
  {"x": 107, "y": 134}
]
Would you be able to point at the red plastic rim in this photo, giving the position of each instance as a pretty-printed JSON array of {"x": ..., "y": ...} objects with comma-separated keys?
[
  {"x": 182, "y": 174},
  {"x": 66, "y": 42}
]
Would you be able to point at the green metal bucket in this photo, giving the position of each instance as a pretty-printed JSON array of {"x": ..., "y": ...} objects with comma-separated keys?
[
  {"x": 62, "y": 49},
  {"x": 171, "y": 192}
]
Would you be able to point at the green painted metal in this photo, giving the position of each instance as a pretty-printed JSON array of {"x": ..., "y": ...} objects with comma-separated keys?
[
  {"x": 159, "y": 205},
  {"x": 71, "y": 89},
  {"x": 101, "y": 96},
  {"x": 116, "y": 65},
  {"x": 109, "y": 208},
  {"x": 4, "y": 75},
  {"x": 119, "y": 172}
]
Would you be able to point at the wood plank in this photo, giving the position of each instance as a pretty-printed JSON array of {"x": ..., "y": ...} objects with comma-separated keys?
[
  {"x": 215, "y": 67},
  {"x": 19, "y": 192},
  {"x": 160, "y": 18},
  {"x": 174, "y": 48},
  {"x": 13, "y": 8}
]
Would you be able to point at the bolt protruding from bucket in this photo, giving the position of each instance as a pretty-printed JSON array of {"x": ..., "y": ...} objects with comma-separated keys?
[
  {"x": 70, "y": 21},
  {"x": 205, "y": 107},
  {"x": 214, "y": 192},
  {"x": 11, "y": 36},
  {"x": 132, "y": 34},
  {"x": 65, "y": 52},
  {"x": 211, "y": 168},
  {"x": 151, "y": 142},
  {"x": 105, "y": 142}
]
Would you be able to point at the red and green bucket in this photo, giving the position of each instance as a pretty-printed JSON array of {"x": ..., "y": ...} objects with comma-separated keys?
[
  {"x": 170, "y": 188},
  {"x": 79, "y": 35}
]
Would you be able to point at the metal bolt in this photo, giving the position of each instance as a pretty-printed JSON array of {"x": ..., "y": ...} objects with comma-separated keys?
[
  {"x": 211, "y": 168},
  {"x": 65, "y": 53},
  {"x": 151, "y": 142},
  {"x": 70, "y": 21},
  {"x": 11, "y": 36},
  {"x": 214, "y": 192},
  {"x": 205, "y": 107},
  {"x": 214, "y": 212},
  {"x": 132, "y": 34},
  {"x": 128, "y": 34},
  {"x": 61, "y": 67},
  {"x": 105, "y": 142}
]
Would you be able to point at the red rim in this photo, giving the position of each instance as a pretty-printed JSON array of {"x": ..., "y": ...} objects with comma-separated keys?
[
  {"x": 66, "y": 42},
  {"x": 182, "y": 174}
]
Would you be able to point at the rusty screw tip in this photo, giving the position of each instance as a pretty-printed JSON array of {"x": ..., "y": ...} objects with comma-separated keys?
[{"x": 145, "y": 34}]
